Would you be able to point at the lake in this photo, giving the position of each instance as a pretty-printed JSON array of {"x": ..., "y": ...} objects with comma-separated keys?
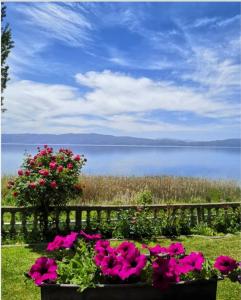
[{"x": 214, "y": 163}]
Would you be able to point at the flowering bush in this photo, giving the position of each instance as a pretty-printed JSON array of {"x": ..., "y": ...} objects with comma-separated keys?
[
  {"x": 87, "y": 260},
  {"x": 47, "y": 179}
]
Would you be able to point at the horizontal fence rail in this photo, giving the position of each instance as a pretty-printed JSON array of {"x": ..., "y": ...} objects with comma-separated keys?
[{"x": 17, "y": 220}]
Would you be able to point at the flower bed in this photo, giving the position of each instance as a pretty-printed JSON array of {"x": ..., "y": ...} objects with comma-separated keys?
[{"x": 87, "y": 261}]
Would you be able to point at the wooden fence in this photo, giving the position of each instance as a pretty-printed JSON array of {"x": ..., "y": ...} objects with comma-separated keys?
[{"x": 16, "y": 220}]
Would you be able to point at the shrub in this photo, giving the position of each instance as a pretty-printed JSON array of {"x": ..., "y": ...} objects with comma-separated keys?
[
  {"x": 47, "y": 179},
  {"x": 134, "y": 224}
]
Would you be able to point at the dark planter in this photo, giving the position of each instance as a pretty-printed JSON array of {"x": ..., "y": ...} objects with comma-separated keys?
[{"x": 196, "y": 290}]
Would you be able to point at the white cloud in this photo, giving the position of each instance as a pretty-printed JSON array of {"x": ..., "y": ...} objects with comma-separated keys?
[
  {"x": 116, "y": 103},
  {"x": 58, "y": 22}
]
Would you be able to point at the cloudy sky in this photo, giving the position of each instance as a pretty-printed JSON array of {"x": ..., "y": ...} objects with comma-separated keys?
[{"x": 141, "y": 69}]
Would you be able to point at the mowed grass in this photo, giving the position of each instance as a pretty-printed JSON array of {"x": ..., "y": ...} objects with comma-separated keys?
[
  {"x": 164, "y": 189},
  {"x": 17, "y": 260}
]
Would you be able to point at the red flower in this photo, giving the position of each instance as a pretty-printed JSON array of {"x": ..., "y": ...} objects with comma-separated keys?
[
  {"x": 20, "y": 172},
  {"x": 60, "y": 169},
  {"x": 42, "y": 181},
  {"x": 53, "y": 184},
  {"x": 77, "y": 158},
  {"x": 32, "y": 185},
  {"x": 70, "y": 166},
  {"x": 15, "y": 194},
  {"x": 53, "y": 165},
  {"x": 45, "y": 146},
  {"x": 44, "y": 172},
  {"x": 32, "y": 162},
  {"x": 27, "y": 173}
]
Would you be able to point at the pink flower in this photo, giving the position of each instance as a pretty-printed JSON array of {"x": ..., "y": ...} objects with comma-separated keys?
[
  {"x": 49, "y": 150},
  {"x": 101, "y": 253},
  {"x": 77, "y": 158},
  {"x": 44, "y": 172},
  {"x": 60, "y": 169},
  {"x": 102, "y": 244},
  {"x": 156, "y": 250},
  {"x": 56, "y": 244},
  {"x": 31, "y": 162},
  {"x": 32, "y": 185},
  {"x": 45, "y": 146},
  {"x": 53, "y": 165},
  {"x": 70, "y": 239},
  {"x": 27, "y": 172},
  {"x": 53, "y": 184},
  {"x": 44, "y": 270},
  {"x": 225, "y": 264},
  {"x": 192, "y": 262},
  {"x": 20, "y": 172},
  {"x": 165, "y": 271},
  {"x": 90, "y": 237},
  {"x": 176, "y": 249},
  {"x": 111, "y": 265},
  {"x": 133, "y": 266},
  {"x": 70, "y": 166},
  {"x": 42, "y": 181},
  {"x": 127, "y": 249}
]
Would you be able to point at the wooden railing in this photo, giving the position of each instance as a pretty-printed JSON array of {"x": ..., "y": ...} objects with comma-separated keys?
[{"x": 74, "y": 217}]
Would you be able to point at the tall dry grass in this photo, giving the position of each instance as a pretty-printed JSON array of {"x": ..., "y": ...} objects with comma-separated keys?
[{"x": 164, "y": 189}]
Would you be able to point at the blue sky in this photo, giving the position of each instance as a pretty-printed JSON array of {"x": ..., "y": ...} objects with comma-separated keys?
[{"x": 142, "y": 69}]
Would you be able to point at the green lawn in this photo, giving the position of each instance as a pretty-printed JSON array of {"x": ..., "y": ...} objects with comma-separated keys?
[{"x": 16, "y": 260}]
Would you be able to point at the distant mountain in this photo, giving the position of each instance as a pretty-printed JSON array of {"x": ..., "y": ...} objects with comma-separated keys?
[{"x": 100, "y": 139}]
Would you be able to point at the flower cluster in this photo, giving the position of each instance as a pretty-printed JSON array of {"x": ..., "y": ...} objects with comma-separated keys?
[
  {"x": 48, "y": 176},
  {"x": 122, "y": 262},
  {"x": 68, "y": 241},
  {"x": 125, "y": 263}
]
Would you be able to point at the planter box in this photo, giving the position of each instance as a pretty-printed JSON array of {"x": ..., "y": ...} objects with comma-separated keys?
[{"x": 195, "y": 290}]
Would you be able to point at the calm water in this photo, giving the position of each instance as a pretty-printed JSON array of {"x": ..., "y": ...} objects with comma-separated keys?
[{"x": 218, "y": 163}]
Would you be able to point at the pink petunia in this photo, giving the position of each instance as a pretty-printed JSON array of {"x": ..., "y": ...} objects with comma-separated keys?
[
  {"x": 70, "y": 239},
  {"x": 127, "y": 249},
  {"x": 154, "y": 251},
  {"x": 111, "y": 265},
  {"x": 165, "y": 271},
  {"x": 225, "y": 264},
  {"x": 176, "y": 249},
  {"x": 133, "y": 266},
  {"x": 192, "y": 262},
  {"x": 43, "y": 270},
  {"x": 56, "y": 244},
  {"x": 90, "y": 237}
]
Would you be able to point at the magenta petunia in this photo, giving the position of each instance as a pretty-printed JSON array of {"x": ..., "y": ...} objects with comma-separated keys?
[
  {"x": 127, "y": 249},
  {"x": 133, "y": 266},
  {"x": 176, "y": 249},
  {"x": 43, "y": 270},
  {"x": 101, "y": 253},
  {"x": 165, "y": 271},
  {"x": 192, "y": 262},
  {"x": 156, "y": 250},
  {"x": 225, "y": 264},
  {"x": 70, "y": 239},
  {"x": 90, "y": 237},
  {"x": 56, "y": 244},
  {"x": 102, "y": 243},
  {"x": 111, "y": 265}
]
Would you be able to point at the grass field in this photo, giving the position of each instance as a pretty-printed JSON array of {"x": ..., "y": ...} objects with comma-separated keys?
[
  {"x": 16, "y": 260},
  {"x": 164, "y": 189}
]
